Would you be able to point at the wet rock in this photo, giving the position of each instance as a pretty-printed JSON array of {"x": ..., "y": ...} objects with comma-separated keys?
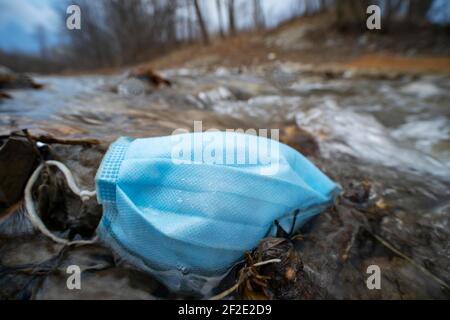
[
  {"x": 14, "y": 221},
  {"x": 287, "y": 279},
  {"x": 88, "y": 257},
  {"x": 421, "y": 89},
  {"x": 18, "y": 158},
  {"x": 12, "y": 80},
  {"x": 300, "y": 140},
  {"x": 17, "y": 285},
  {"x": 4, "y": 95},
  {"x": 29, "y": 250},
  {"x": 423, "y": 238},
  {"x": 148, "y": 74},
  {"x": 114, "y": 283}
]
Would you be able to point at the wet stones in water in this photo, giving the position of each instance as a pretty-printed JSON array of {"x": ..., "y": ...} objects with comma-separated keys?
[
  {"x": 18, "y": 158},
  {"x": 4, "y": 95},
  {"x": 148, "y": 74},
  {"x": 11, "y": 80},
  {"x": 286, "y": 279}
]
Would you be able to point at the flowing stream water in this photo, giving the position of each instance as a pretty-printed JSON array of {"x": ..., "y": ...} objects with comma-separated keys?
[{"x": 397, "y": 131}]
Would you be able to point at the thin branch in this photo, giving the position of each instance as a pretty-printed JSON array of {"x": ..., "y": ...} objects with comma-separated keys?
[
  {"x": 242, "y": 278},
  {"x": 421, "y": 268}
]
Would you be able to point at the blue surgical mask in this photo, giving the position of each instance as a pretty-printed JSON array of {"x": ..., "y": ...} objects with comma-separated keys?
[{"x": 193, "y": 204}]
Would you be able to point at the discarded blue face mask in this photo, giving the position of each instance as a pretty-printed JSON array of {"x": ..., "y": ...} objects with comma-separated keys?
[{"x": 193, "y": 204}]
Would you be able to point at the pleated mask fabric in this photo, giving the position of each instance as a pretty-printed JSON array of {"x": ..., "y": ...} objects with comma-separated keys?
[{"x": 196, "y": 202}]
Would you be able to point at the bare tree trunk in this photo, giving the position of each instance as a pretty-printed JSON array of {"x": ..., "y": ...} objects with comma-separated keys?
[
  {"x": 418, "y": 9},
  {"x": 351, "y": 13},
  {"x": 42, "y": 41},
  {"x": 321, "y": 5},
  {"x": 231, "y": 17},
  {"x": 172, "y": 21},
  {"x": 308, "y": 7},
  {"x": 392, "y": 8},
  {"x": 358, "y": 9},
  {"x": 258, "y": 15},
  {"x": 201, "y": 23},
  {"x": 340, "y": 12},
  {"x": 219, "y": 13},
  {"x": 190, "y": 15}
]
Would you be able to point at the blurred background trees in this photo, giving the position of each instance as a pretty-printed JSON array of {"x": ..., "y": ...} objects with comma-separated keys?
[{"x": 124, "y": 32}]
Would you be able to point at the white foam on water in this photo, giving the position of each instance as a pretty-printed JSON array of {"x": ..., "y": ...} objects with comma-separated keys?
[{"x": 360, "y": 135}]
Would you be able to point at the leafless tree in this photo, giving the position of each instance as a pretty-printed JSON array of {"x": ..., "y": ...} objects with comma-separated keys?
[
  {"x": 231, "y": 17},
  {"x": 418, "y": 9},
  {"x": 220, "y": 17},
  {"x": 258, "y": 15},
  {"x": 190, "y": 16},
  {"x": 42, "y": 41},
  {"x": 201, "y": 23},
  {"x": 123, "y": 32}
]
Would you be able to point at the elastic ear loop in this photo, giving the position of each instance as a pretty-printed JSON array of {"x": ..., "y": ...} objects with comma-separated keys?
[{"x": 34, "y": 217}]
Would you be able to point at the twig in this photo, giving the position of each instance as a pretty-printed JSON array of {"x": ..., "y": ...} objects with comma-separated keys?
[
  {"x": 421, "y": 268},
  {"x": 258, "y": 264},
  {"x": 242, "y": 279},
  {"x": 49, "y": 139}
]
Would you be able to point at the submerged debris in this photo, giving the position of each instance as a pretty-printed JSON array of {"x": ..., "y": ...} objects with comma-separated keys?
[
  {"x": 12, "y": 80},
  {"x": 287, "y": 279},
  {"x": 52, "y": 140},
  {"x": 4, "y": 95},
  {"x": 148, "y": 74},
  {"x": 274, "y": 271}
]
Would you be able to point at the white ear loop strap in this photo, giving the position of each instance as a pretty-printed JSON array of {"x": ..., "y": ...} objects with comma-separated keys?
[{"x": 31, "y": 212}]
